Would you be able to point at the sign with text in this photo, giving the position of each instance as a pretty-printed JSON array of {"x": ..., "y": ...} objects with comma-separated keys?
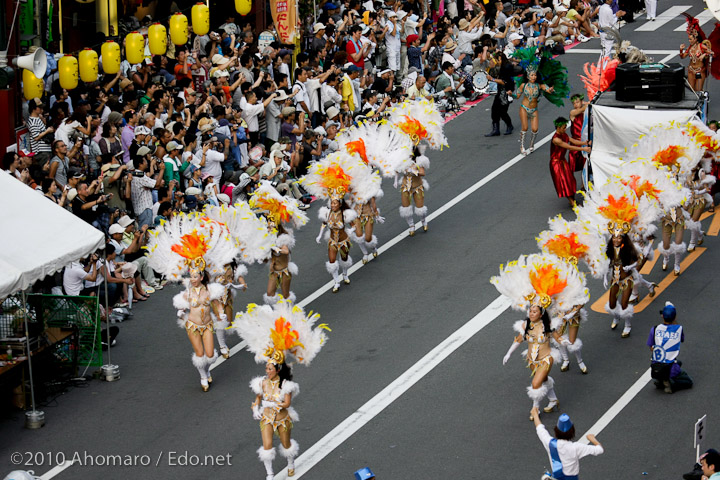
[{"x": 284, "y": 13}]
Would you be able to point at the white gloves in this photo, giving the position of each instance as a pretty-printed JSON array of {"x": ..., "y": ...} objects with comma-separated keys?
[
  {"x": 269, "y": 404},
  {"x": 238, "y": 286},
  {"x": 395, "y": 182},
  {"x": 181, "y": 313},
  {"x": 629, "y": 268},
  {"x": 319, "y": 237},
  {"x": 380, "y": 219},
  {"x": 222, "y": 317},
  {"x": 512, "y": 348},
  {"x": 257, "y": 412},
  {"x": 605, "y": 282}
]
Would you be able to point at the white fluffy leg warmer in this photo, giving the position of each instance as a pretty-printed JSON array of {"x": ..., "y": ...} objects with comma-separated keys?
[
  {"x": 334, "y": 270},
  {"x": 695, "y": 228},
  {"x": 665, "y": 253},
  {"x": 563, "y": 353},
  {"x": 220, "y": 332},
  {"x": 576, "y": 348},
  {"x": 290, "y": 453},
  {"x": 626, "y": 314},
  {"x": 270, "y": 300},
  {"x": 291, "y": 298},
  {"x": 209, "y": 362},
  {"x": 537, "y": 394},
  {"x": 372, "y": 246},
  {"x": 422, "y": 213},
  {"x": 360, "y": 241},
  {"x": 550, "y": 383},
  {"x": 199, "y": 363},
  {"x": 267, "y": 457},
  {"x": 407, "y": 214},
  {"x": 679, "y": 251}
]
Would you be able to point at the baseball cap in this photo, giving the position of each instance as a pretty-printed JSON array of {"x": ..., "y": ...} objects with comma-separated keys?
[
  {"x": 288, "y": 111},
  {"x": 331, "y": 123},
  {"x": 330, "y": 6},
  {"x": 515, "y": 36},
  {"x": 172, "y": 146},
  {"x": 76, "y": 173},
  {"x": 411, "y": 38},
  {"x": 115, "y": 228},
  {"x": 251, "y": 170},
  {"x": 391, "y": 14},
  {"x": 26, "y": 153},
  {"x": 669, "y": 311},
  {"x": 353, "y": 68},
  {"x": 320, "y": 131},
  {"x": 223, "y": 198}
]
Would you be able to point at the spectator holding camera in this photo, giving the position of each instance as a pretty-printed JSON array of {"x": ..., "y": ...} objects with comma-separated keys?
[
  {"x": 60, "y": 163},
  {"x": 87, "y": 202},
  {"x": 77, "y": 273},
  {"x": 147, "y": 176}
]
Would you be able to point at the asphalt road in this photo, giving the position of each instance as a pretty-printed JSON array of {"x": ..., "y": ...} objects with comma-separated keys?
[{"x": 468, "y": 417}]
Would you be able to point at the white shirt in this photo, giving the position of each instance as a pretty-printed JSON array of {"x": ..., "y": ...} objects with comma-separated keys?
[
  {"x": 301, "y": 95},
  {"x": 392, "y": 37},
  {"x": 449, "y": 58},
  {"x": 312, "y": 85},
  {"x": 213, "y": 163},
  {"x": 465, "y": 40},
  {"x": 250, "y": 113},
  {"x": 570, "y": 453},
  {"x": 329, "y": 93},
  {"x": 73, "y": 278},
  {"x": 606, "y": 17}
]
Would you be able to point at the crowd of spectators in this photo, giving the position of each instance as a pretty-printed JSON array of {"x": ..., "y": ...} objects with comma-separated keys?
[{"x": 204, "y": 123}]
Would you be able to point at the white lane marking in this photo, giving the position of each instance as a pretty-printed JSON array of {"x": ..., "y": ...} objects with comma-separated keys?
[
  {"x": 668, "y": 57},
  {"x": 618, "y": 406},
  {"x": 595, "y": 51},
  {"x": 394, "y": 241},
  {"x": 704, "y": 17},
  {"x": 56, "y": 469},
  {"x": 668, "y": 15},
  {"x": 392, "y": 392}
]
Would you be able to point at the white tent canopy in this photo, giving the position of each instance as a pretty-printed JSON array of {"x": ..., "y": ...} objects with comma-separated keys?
[
  {"x": 39, "y": 237},
  {"x": 615, "y": 129}
]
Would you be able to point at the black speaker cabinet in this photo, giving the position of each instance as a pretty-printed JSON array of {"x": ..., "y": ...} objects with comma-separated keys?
[{"x": 650, "y": 81}]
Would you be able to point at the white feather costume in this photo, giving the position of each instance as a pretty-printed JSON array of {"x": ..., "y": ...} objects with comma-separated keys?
[
  {"x": 421, "y": 121},
  {"x": 668, "y": 147},
  {"x": 249, "y": 232},
  {"x": 378, "y": 144},
  {"x": 341, "y": 170},
  {"x": 265, "y": 199}
]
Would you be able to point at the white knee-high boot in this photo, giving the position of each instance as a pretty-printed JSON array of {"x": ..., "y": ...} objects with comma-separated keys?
[
  {"x": 407, "y": 214},
  {"x": 626, "y": 314},
  {"x": 422, "y": 213},
  {"x": 199, "y": 363},
  {"x": 576, "y": 349},
  {"x": 522, "y": 142},
  {"x": 220, "y": 327},
  {"x": 334, "y": 270},
  {"x": 267, "y": 457},
  {"x": 695, "y": 232},
  {"x": 565, "y": 359},
  {"x": 345, "y": 265},
  {"x": 209, "y": 361},
  {"x": 372, "y": 246},
  {"x": 290, "y": 453},
  {"x": 665, "y": 254},
  {"x": 533, "y": 135},
  {"x": 553, "y": 404},
  {"x": 679, "y": 251},
  {"x": 360, "y": 241}
]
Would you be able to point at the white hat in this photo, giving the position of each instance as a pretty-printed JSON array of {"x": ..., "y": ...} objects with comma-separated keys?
[
  {"x": 401, "y": 14},
  {"x": 515, "y": 36},
  {"x": 125, "y": 221},
  {"x": 217, "y": 59},
  {"x": 223, "y": 198},
  {"x": 141, "y": 130},
  {"x": 193, "y": 191},
  {"x": 221, "y": 73},
  {"x": 72, "y": 193},
  {"x": 332, "y": 112},
  {"x": 320, "y": 131},
  {"x": 317, "y": 27},
  {"x": 560, "y": 9},
  {"x": 115, "y": 228},
  {"x": 391, "y": 14},
  {"x": 128, "y": 270}
]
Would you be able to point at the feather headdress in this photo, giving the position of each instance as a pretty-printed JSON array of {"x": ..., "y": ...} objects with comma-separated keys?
[
  {"x": 543, "y": 280},
  {"x": 188, "y": 242},
  {"x": 278, "y": 208},
  {"x": 574, "y": 241},
  {"x": 421, "y": 121},
  {"x": 380, "y": 145},
  {"x": 612, "y": 208},
  {"x": 703, "y": 136},
  {"x": 657, "y": 190},
  {"x": 598, "y": 78},
  {"x": 340, "y": 173},
  {"x": 281, "y": 332},
  {"x": 668, "y": 147},
  {"x": 249, "y": 232}
]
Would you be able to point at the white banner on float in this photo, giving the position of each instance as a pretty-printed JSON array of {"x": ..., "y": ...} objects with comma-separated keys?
[{"x": 615, "y": 129}]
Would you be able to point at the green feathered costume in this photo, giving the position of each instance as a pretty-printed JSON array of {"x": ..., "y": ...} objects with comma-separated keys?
[{"x": 550, "y": 72}]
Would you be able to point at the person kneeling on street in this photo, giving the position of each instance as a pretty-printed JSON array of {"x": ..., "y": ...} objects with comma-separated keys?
[{"x": 664, "y": 342}]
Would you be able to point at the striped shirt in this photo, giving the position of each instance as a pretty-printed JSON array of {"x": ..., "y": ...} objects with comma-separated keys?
[{"x": 37, "y": 127}]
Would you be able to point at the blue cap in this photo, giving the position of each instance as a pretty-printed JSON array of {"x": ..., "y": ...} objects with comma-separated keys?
[
  {"x": 353, "y": 68},
  {"x": 330, "y": 6},
  {"x": 564, "y": 423},
  {"x": 364, "y": 474},
  {"x": 669, "y": 312}
]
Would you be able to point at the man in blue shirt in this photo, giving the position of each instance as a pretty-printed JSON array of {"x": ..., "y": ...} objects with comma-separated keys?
[{"x": 664, "y": 342}]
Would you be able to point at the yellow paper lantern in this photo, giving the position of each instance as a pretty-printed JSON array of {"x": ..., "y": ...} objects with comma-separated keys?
[
  {"x": 68, "y": 70},
  {"x": 32, "y": 86},
  {"x": 200, "y": 19},
  {"x": 179, "y": 29},
  {"x": 134, "y": 48},
  {"x": 157, "y": 38},
  {"x": 88, "y": 62},
  {"x": 243, "y": 7},
  {"x": 110, "y": 52}
]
